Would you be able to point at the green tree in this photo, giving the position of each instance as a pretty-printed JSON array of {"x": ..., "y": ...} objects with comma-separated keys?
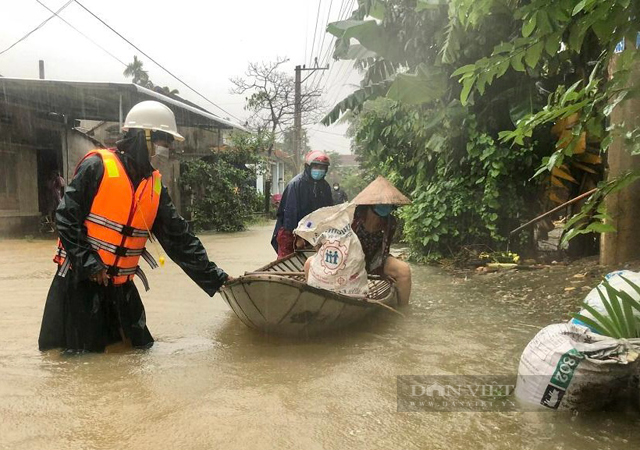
[
  {"x": 168, "y": 91},
  {"x": 451, "y": 89},
  {"x": 287, "y": 146},
  {"x": 135, "y": 71},
  {"x": 222, "y": 187},
  {"x": 353, "y": 181}
]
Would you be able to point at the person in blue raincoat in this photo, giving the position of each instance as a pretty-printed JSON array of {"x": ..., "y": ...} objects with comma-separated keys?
[{"x": 305, "y": 193}]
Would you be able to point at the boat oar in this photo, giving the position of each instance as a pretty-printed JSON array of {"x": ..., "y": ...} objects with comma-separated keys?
[
  {"x": 379, "y": 303},
  {"x": 556, "y": 209}
]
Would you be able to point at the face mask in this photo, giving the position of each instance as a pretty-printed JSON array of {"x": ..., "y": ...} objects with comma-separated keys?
[
  {"x": 318, "y": 174},
  {"x": 161, "y": 151},
  {"x": 135, "y": 146},
  {"x": 383, "y": 210},
  {"x": 336, "y": 187}
]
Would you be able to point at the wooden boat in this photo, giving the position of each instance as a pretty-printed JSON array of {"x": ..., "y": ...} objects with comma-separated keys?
[{"x": 276, "y": 300}]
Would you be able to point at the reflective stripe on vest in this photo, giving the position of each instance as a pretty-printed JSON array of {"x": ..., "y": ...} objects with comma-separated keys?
[{"x": 119, "y": 222}]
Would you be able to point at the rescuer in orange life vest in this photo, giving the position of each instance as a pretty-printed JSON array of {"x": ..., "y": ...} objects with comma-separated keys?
[{"x": 114, "y": 202}]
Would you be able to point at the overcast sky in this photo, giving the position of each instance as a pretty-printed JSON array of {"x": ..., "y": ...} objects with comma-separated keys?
[{"x": 202, "y": 42}]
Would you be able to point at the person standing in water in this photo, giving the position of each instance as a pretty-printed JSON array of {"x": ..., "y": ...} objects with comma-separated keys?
[{"x": 114, "y": 203}]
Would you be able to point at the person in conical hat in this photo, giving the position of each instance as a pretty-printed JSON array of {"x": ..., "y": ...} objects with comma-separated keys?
[{"x": 375, "y": 225}]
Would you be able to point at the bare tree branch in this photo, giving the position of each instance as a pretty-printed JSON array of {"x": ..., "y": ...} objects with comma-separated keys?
[{"x": 270, "y": 97}]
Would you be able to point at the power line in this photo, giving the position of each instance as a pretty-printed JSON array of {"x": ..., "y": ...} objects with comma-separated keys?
[
  {"x": 342, "y": 16},
  {"x": 84, "y": 35},
  {"x": 311, "y": 130},
  {"x": 36, "y": 28},
  {"x": 306, "y": 34},
  {"x": 325, "y": 59},
  {"x": 337, "y": 76},
  {"x": 344, "y": 72},
  {"x": 324, "y": 35},
  {"x": 315, "y": 30},
  {"x": 154, "y": 61},
  {"x": 340, "y": 73}
]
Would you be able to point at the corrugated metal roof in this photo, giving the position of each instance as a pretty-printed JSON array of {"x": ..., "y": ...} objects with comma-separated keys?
[
  {"x": 179, "y": 104},
  {"x": 100, "y": 100}
]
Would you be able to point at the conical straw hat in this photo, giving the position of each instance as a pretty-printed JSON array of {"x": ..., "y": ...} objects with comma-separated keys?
[{"x": 381, "y": 192}]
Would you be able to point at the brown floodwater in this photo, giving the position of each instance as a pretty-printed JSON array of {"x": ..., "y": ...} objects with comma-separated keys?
[{"x": 209, "y": 382}]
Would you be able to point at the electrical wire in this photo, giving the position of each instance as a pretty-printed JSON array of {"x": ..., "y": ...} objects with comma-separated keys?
[
  {"x": 154, "y": 61},
  {"x": 306, "y": 32},
  {"x": 36, "y": 28},
  {"x": 325, "y": 58},
  {"x": 322, "y": 57},
  {"x": 341, "y": 76},
  {"x": 341, "y": 72},
  {"x": 315, "y": 30},
  {"x": 84, "y": 35},
  {"x": 324, "y": 35},
  {"x": 313, "y": 130},
  {"x": 331, "y": 72}
]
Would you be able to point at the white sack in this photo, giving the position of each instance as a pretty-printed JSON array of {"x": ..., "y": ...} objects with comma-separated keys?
[
  {"x": 568, "y": 367},
  {"x": 615, "y": 280},
  {"x": 339, "y": 263}
]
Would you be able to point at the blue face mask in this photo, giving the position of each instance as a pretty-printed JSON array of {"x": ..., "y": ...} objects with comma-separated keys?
[
  {"x": 383, "y": 210},
  {"x": 318, "y": 174}
]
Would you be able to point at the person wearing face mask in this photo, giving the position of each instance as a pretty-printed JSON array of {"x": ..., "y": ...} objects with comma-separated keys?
[
  {"x": 305, "y": 193},
  {"x": 168, "y": 168},
  {"x": 339, "y": 196},
  {"x": 375, "y": 226},
  {"x": 114, "y": 203}
]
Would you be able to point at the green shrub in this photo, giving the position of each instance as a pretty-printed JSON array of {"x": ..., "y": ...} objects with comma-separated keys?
[{"x": 224, "y": 198}]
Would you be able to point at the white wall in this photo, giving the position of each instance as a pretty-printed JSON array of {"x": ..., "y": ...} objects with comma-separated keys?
[{"x": 78, "y": 146}]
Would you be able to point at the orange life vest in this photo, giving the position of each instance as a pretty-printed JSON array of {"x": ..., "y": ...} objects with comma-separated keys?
[{"x": 120, "y": 221}]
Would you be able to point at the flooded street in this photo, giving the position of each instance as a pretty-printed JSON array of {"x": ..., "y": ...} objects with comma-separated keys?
[{"x": 210, "y": 382}]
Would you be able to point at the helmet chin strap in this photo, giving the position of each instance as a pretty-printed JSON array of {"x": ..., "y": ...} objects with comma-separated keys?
[{"x": 147, "y": 134}]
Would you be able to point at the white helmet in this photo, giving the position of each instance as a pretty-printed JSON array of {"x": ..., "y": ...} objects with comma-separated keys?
[{"x": 152, "y": 115}]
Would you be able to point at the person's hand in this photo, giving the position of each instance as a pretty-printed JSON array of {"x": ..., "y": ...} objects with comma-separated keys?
[
  {"x": 229, "y": 280},
  {"x": 300, "y": 243},
  {"x": 100, "y": 277}
]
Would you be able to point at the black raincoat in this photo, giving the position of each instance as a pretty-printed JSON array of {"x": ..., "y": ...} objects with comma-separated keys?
[
  {"x": 81, "y": 315},
  {"x": 339, "y": 196},
  {"x": 302, "y": 196}
]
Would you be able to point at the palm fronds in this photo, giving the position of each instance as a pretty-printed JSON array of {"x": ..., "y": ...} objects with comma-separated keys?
[{"x": 619, "y": 321}]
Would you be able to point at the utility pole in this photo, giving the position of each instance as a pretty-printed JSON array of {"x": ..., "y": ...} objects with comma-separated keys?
[
  {"x": 297, "y": 119},
  {"x": 297, "y": 116}
]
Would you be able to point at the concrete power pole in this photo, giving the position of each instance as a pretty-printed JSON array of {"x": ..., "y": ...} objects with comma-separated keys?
[
  {"x": 297, "y": 119},
  {"x": 297, "y": 116}
]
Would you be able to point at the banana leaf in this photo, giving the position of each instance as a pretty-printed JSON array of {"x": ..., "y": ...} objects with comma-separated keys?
[
  {"x": 604, "y": 324},
  {"x": 615, "y": 322},
  {"x": 621, "y": 320}
]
